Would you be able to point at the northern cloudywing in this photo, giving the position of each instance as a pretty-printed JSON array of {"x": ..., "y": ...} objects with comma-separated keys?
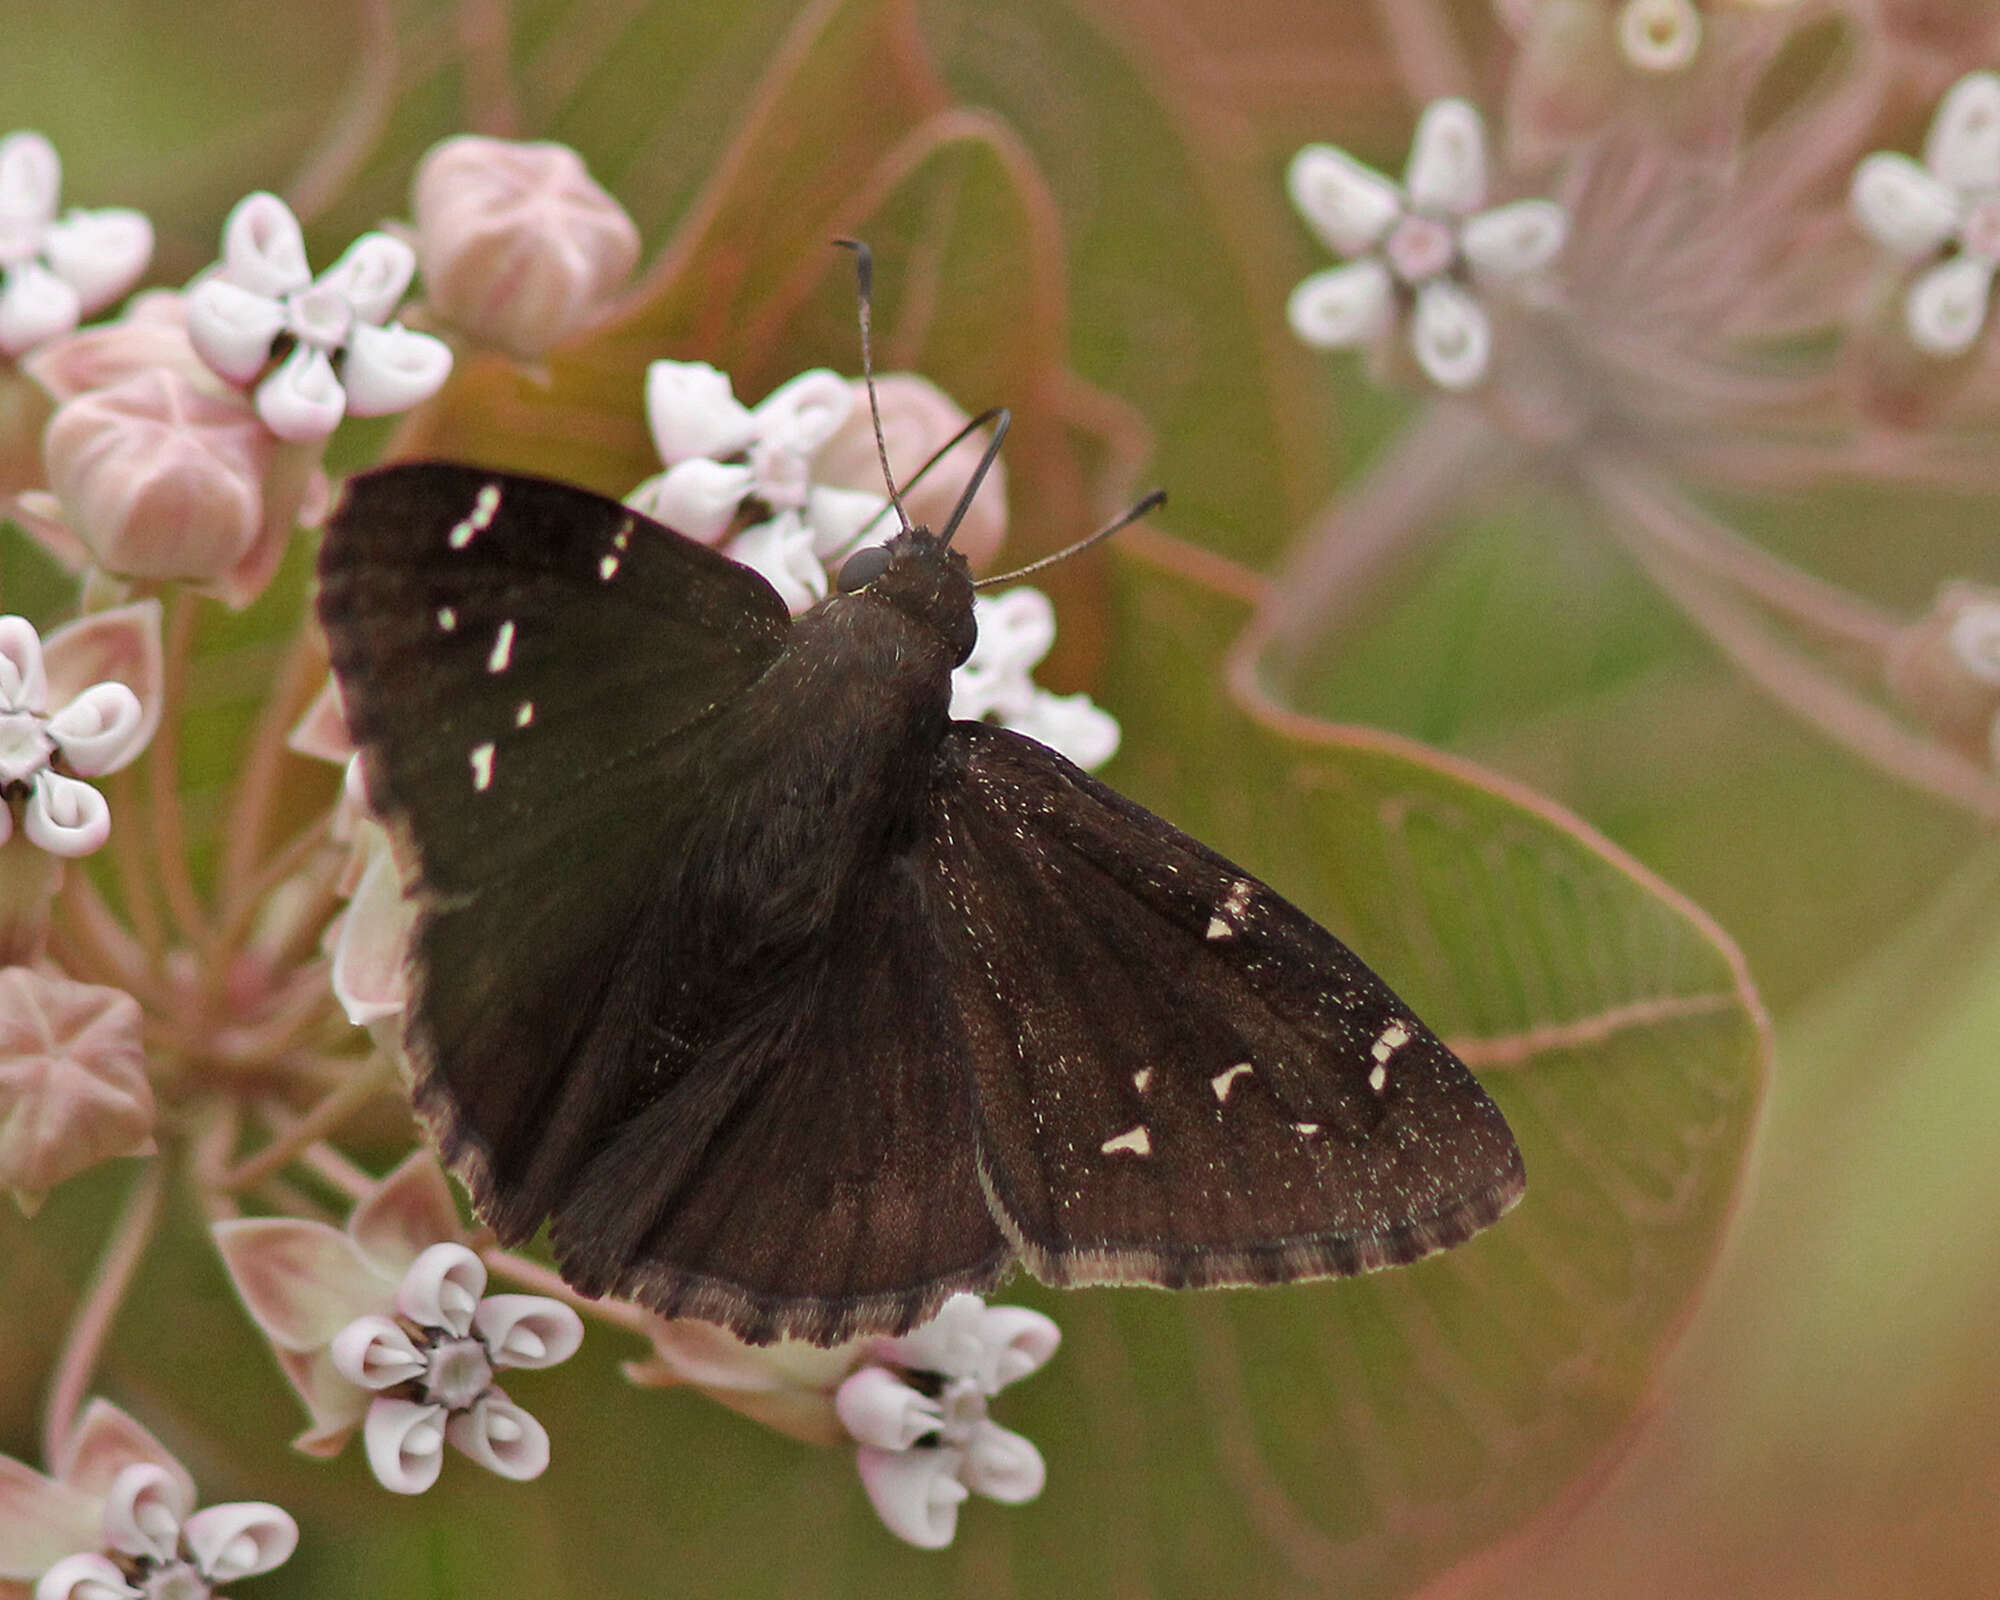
[{"x": 799, "y": 1006}]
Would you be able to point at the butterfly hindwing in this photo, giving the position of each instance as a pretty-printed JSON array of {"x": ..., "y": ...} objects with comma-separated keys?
[
  {"x": 1180, "y": 1077},
  {"x": 521, "y": 664}
]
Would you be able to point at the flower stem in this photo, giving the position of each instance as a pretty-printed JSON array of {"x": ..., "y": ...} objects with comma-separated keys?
[
  {"x": 369, "y": 1079},
  {"x": 1427, "y": 56},
  {"x": 248, "y": 822},
  {"x": 163, "y": 781},
  {"x": 92, "y": 1322},
  {"x": 1343, "y": 559},
  {"x": 546, "y": 1280}
]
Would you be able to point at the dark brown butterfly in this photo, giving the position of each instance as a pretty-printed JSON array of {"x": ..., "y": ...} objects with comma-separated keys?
[{"x": 797, "y": 1005}]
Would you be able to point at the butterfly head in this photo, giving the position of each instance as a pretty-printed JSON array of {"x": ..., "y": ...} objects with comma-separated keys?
[{"x": 919, "y": 574}]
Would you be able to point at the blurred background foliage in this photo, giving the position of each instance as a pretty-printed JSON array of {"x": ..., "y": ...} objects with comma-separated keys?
[{"x": 1079, "y": 209}]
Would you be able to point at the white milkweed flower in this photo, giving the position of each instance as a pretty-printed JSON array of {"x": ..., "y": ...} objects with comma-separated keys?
[
  {"x": 917, "y": 1412},
  {"x": 95, "y": 733},
  {"x": 432, "y": 1367},
  {"x": 163, "y": 1547},
  {"x": 721, "y": 455},
  {"x": 1949, "y": 202},
  {"x": 1419, "y": 250},
  {"x": 55, "y": 271},
  {"x": 338, "y": 351},
  {"x": 1016, "y": 630}
]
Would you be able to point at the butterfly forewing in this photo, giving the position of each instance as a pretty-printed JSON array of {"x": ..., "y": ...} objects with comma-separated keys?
[{"x": 1183, "y": 1079}]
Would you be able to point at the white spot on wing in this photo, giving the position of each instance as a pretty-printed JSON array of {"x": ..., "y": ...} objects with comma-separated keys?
[
  {"x": 1218, "y": 929},
  {"x": 1305, "y": 1127},
  {"x": 503, "y": 648},
  {"x": 525, "y": 715},
  {"x": 1393, "y": 1038},
  {"x": 484, "y": 507},
  {"x": 1142, "y": 1079},
  {"x": 447, "y": 618},
  {"x": 1237, "y": 901},
  {"x": 1225, "y": 1080},
  {"x": 623, "y": 536},
  {"x": 607, "y": 567},
  {"x": 1135, "y": 1139},
  {"x": 482, "y": 766},
  {"x": 1378, "y": 1080}
]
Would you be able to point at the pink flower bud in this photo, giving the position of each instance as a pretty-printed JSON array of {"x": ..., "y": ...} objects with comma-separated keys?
[
  {"x": 73, "y": 1087},
  {"x": 153, "y": 332},
  {"x": 519, "y": 245},
  {"x": 159, "y": 480},
  {"x": 917, "y": 418}
]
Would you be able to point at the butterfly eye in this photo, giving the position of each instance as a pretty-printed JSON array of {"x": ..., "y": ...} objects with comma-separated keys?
[{"x": 863, "y": 568}]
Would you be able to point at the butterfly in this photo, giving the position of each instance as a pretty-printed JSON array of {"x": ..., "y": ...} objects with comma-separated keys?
[{"x": 795, "y": 1005}]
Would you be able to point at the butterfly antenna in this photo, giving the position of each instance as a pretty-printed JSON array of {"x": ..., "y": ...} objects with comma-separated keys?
[
  {"x": 1152, "y": 502},
  {"x": 937, "y": 455},
  {"x": 864, "y": 277},
  {"x": 1002, "y": 421}
]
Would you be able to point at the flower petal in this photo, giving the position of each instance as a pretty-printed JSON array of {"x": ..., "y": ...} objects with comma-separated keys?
[
  {"x": 73, "y": 1084},
  {"x": 691, "y": 412},
  {"x": 802, "y": 414},
  {"x": 1073, "y": 725},
  {"x": 916, "y": 1493},
  {"x": 1447, "y": 171},
  {"x": 781, "y": 550},
  {"x": 24, "y": 679},
  {"x": 302, "y": 401},
  {"x": 1349, "y": 205},
  {"x": 1002, "y": 1465},
  {"x": 231, "y": 328},
  {"x": 697, "y": 497},
  {"x": 1947, "y": 305},
  {"x": 1019, "y": 1341},
  {"x": 501, "y": 1437},
  {"x": 1450, "y": 336},
  {"x": 97, "y": 731},
  {"x": 107, "y": 1440},
  {"x": 35, "y": 306},
  {"x": 838, "y": 518},
  {"x": 41, "y": 1521},
  {"x": 30, "y": 178},
  {"x": 442, "y": 1288},
  {"x": 121, "y": 645},
  {"x": 1659, "y": 36},
  {"x": 407, "y": 1212},
  {"x": 240, "y": 1540},
  {"x": 370, "y": 952},
  {"x": 262, "y": 248},
  {"x": 144, "y": 1511},
  {"x": 375, "y": 1353},
  {"x": 405, "y": 1443},
  {"x": 1514, "y": 239},
  {"x": 99, "y": 254},
  {"x": 877, "y": 1408},
  {"x": 1901, "y": 205},
  {"x": 952, "y": 1342},
  {"x": 372, "y": 276},
  {"x": 1963, "y": 146},
  {"x": 1974, "y": 637},
  {"x": 302, "y": 1282},
  {"x": 89, "y": 1576},
  {"x": 1342, "y": 306},
  {"x": 527, "y": 1330},
  {"x": 391, "y": 369},
  {"x": 66, "y": 817}
]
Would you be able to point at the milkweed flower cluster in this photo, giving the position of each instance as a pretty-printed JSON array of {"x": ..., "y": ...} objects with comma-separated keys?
[{"x": 1693, "y": 306}]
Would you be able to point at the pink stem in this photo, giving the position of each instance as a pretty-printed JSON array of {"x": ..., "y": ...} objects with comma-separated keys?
[
  {"x": 92, "y": 1322},
  {"x": 1428, "y": 58}
]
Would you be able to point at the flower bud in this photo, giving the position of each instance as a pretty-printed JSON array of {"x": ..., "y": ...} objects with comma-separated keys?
[
  {"x": 157, "y": 479},
  {"x": 917, "y": 418},
  {"x": 153, "y": 332},
  {"x": 519, "y": 246},
  {"x": 73, "y": 1087}
]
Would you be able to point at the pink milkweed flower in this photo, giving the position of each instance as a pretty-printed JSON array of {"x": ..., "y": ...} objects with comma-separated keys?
[
  {"x": 1419, "y": 252},
  {"x": 337, "y": 350},
  {"x": 917, "y": 1412},
  {"x": 519, "y": 246},
  {"x": 73, "y": 1085},
  {"x": 45, "y": 754},
  {"x": 151, "y": 332},
  {"x": 1949, "y": 204},
  {"x": 917, "y": 419},
  {"x": 386, "y": 1325},
  {"x": 54, "y": 272},
  {"x": 117, "y": 1521}
]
